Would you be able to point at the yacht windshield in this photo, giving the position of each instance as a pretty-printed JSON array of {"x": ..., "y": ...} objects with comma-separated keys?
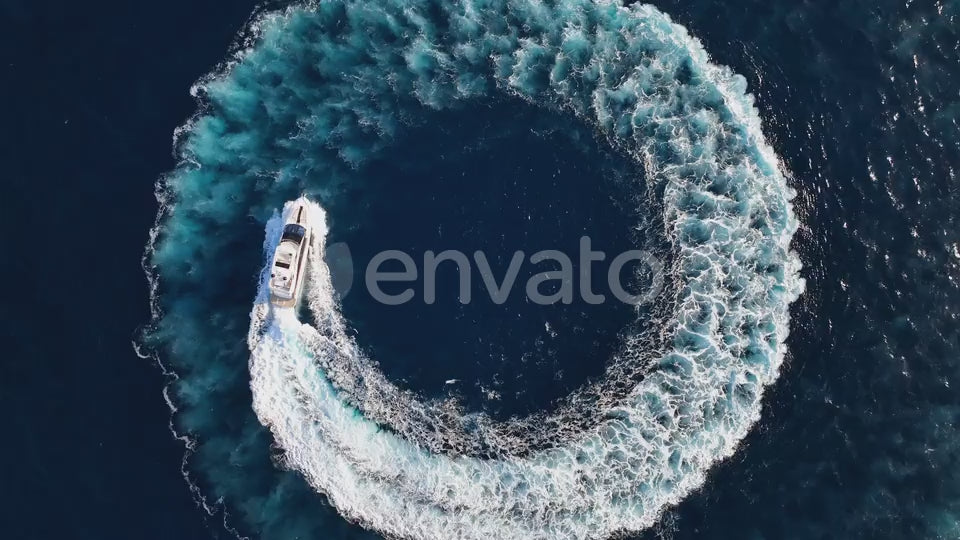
[{"x": 293, "y": 232}]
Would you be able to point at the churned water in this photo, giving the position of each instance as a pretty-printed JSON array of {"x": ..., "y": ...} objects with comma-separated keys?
[{"x": 790, "y": 168}]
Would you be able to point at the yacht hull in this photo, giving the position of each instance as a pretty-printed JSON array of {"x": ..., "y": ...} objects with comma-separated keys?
[{"x": 290, "y": 258}]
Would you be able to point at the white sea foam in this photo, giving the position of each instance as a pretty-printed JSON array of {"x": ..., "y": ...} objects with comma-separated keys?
[
  {"x": 332, "y": 82},
  {"x": 619, "y": 476}
]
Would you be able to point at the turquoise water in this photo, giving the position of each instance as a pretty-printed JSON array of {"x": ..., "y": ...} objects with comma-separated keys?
[
  {"x": 315, "y": 106},
  {"x": 855, "y": 438}
]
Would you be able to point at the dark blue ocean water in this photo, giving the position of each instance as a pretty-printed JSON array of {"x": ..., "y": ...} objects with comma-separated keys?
[
  {"x": 857, "y": 438},
  {"x": 92, "y": 94}
]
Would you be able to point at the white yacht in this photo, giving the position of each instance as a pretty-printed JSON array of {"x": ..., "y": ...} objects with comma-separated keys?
[{"x": 288, "y": 270}]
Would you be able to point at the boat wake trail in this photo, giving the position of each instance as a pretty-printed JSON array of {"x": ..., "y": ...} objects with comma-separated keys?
[
  {"x": 322, "y": 89},
  {"x": 616, "y": 477}
]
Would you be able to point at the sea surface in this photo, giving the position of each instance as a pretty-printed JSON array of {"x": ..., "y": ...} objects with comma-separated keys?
[{"x": 793, "y": 166}]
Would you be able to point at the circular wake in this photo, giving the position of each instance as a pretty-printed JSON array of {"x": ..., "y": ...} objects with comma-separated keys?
[{"x": 326, "y": 86}]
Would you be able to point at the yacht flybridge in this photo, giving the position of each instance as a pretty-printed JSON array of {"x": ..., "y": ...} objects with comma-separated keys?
[{"x": 288, "y": 270}]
